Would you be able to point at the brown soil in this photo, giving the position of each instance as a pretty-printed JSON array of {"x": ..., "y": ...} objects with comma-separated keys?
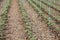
[
  {"x": 15, "y": 28},
  {"x": 39, "y": 27}
]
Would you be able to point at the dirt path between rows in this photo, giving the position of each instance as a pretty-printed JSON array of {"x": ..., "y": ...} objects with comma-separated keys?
[
  {"x": 39, "y": 27},
  {"x": 15, "y": 26}
]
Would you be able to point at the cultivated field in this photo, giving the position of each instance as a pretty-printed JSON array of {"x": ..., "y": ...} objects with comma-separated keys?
[{"x": 29, "y": 20}]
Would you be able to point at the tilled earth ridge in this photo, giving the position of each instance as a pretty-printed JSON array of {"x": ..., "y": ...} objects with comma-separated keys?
[{"x": 15, "y": 26}]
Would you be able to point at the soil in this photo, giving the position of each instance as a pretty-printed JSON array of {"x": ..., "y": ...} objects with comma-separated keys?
[{"x": 15, "y": 26}]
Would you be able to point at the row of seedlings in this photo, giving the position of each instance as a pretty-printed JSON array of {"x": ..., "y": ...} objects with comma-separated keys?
[
  {"x": 56, "y": 18},
  {"x": 52, "y": 24},
  {"x": 49, "y": 19},
  {"x": 37, "y": 9},
  {"x": 52, "y": 3},
  {"x": 44, "y": 7},
  {"x": 4, "y": 18},
  {"x": 57, "y": 8},
  {"x": 28, "y": 29}
]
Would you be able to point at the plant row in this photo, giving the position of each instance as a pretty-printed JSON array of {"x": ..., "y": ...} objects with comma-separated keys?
[
  {"x": 54, "y": 2},
  {"x": 45, "y": 8},
  {"x": 40, "y": 12},
  {"x": 4, "y": 18},
  {"x": 28, "y": 29},
  {"x": 51, "y": 5}
]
